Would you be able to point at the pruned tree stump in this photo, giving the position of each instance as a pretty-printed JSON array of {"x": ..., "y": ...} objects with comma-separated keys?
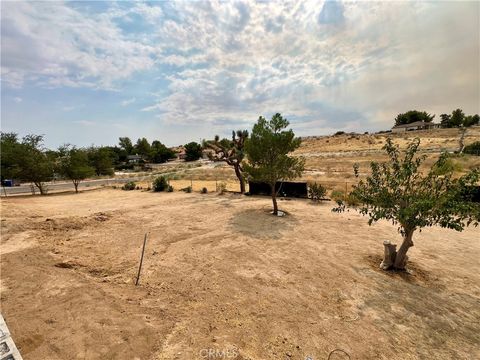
[{"x": 389, "y": 255}]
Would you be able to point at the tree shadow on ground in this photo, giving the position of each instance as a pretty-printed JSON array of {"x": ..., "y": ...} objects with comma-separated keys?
[
  {"x": 415, "y": 274},
  {"x": 260, "y": 223}
]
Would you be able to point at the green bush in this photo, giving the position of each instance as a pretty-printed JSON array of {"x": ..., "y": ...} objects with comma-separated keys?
[
  {"x": 352, "y": 200},
  {"x": 316, "y": 192},
  {"x": 204, "y": 190},
  {"x": 448, "y": 166},
  {"x": 160, "y": 184},
  {"x": 337, "y": 195},
  {"x": 129, "y": 186},
  {"x": 472, "y": 149}
]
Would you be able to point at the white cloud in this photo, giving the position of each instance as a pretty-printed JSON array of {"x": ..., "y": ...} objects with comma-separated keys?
[
  {"x": 17, "y": 99},
  {"x": 128, "y": 101},
  {"x": 323, "y": 64},
  {"x": 85, "y": 122},
  {"x": 374, "y": 59},
  {"x": 51, "y": 44}
]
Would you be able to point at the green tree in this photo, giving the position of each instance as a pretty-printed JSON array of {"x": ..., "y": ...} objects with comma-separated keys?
[
  {"x": 473, "y": 148},
  {"x": 100, "y": 158},
  {"x": 33, "y": 164},
  {"x": 413, "y": 116},
  {"x": 231, "y": 152},
  {"x": 457, "y": 118},
  {"x": 267, "y": 152},
  {"x": 126, "y": 144},
  {"x": 445, "y": 120},
  {"x": 193, "y": 151},
  {"x": 142, "y": 147},
  {"x": 471, "y": 120},
  {"x": 8, "y": 146},
  {"x": 159, "y": 153},
  {"x": 399, "y": 192},
  {"x": 73, "y": 164}
]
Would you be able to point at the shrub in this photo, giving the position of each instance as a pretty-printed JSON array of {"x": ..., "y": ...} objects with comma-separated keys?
[
  {"x": 472, "y": 149},
  {"x": 129, "y": 186},
  {"x": 352, "y": 200},
  {"x": 160, "y": 184},
  {"x": 188, "y": 189},
  {"x": 447, "y": 166},
  {"x": 204, "y": 190},
  {"x": 170, "y": 188},
  {"x": 124, "y": 167},
  {"x": 339, "y": 133},
  {"x": 221, "y": 187},
  {"x": 316, "y": 192},
  {"x": 337, "y": 195}
]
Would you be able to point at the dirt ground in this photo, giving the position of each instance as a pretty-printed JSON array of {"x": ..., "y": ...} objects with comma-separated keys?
[{"x": 223, "y": 279}]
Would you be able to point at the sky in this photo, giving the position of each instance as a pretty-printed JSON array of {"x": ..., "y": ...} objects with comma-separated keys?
[{"x": 87, "y": 73}]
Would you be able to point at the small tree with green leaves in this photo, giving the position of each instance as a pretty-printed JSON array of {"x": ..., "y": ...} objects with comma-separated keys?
[
  {"x": 193, "y": 151},
  {"x": 100, "y": 158},
  {"x": 160, "y": 184},
  {"x": 231, "y": 152},
  {"x": 267, "y": 152},
  {"x": 33, "y": 163},
  {"x": 73, "y": 164},
  {"x": 399, "y": 192},
  {"x": 457, "y": 118},
  {"x": 9, "y": 147},
  {"x": 316, "y": 192}
]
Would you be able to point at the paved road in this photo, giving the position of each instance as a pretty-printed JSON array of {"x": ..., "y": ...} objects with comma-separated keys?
[{"x": 68, "y": 186}]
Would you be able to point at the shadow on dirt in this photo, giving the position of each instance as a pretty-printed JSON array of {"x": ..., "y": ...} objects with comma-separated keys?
[
  {"x": 414, "y": 275},
  {"x": 260, "y": 223}
]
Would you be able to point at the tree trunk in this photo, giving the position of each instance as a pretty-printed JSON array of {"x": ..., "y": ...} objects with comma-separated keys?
[
  {"x": 41, "y": 188},
  {"x": 401, "y": 257},
  {"x": 389, "y": 255},
  {"x": 75, "y": 183},
  {"x": 240, "y": 178},
  {"x": 274, "y": 200}
]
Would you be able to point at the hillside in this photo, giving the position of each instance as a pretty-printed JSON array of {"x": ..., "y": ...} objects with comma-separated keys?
[
  {"x": 330, "y": 159},
  {"x": 431, "y": 140}
]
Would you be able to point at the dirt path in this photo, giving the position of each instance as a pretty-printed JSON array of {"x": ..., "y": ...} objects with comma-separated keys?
[{"x": 222, "y": 275}]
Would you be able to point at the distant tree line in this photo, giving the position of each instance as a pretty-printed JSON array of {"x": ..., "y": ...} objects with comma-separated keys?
[
  {"x": 27, "y": 160},
  {"x": 153, "y": 153},
  {"x": 456, "y": 119}
]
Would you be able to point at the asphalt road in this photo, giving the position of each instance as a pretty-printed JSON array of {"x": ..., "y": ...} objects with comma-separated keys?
[{"x": 62, "y": 186}]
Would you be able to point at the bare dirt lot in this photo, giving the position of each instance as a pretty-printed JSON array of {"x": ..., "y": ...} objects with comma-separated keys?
[{"x": 223, "y": 277}]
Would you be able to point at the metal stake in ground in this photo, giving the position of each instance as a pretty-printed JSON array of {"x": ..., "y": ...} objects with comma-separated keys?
[{"x": 141, "y": 260}]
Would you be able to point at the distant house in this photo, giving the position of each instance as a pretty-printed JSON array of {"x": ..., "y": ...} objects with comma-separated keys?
[
  {"x": 134, "y": 159},
  {"x": 417, "y": 125}
]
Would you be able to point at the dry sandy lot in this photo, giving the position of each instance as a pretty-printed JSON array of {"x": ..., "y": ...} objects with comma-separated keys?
[{"x": 221, "y": 273}]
